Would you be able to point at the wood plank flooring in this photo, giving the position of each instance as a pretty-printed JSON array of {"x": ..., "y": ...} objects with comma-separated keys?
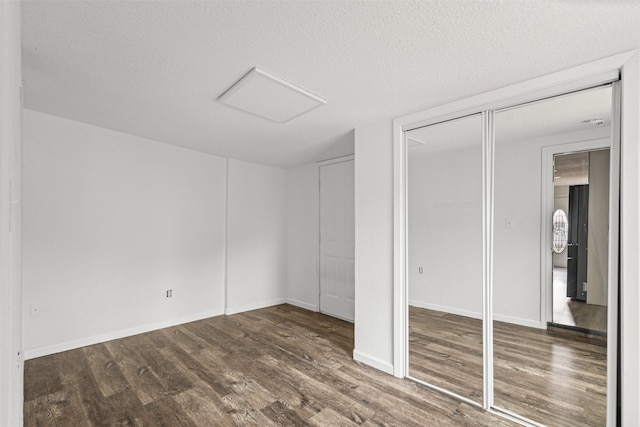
[
  {"x": 575, "y": 313},
  {"x": 557, "y": 378},
  {"x": 276, "y": 366},
  {"x": 446, "y": 350}
]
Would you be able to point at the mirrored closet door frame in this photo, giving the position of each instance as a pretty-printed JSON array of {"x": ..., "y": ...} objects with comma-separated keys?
[{"x": 573, "y": 80}]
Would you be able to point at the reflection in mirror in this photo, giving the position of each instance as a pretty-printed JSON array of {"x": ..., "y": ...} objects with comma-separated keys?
[
  {"x": 560, "y": 231},
  {"x": 444, "y": 237},
  {"x": 549, "y": 373}
]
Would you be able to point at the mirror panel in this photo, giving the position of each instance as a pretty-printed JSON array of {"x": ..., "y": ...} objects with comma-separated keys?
[
  {"x": 554, "y": 374},
  {"x": 445, "y": 255}
]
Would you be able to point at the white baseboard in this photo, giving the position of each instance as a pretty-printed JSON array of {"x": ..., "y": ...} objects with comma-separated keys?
[
  {"x": 302, "y": 304},
  {"x": 96, "y": 339},
  {"x": 474, "y": 315},
  {"x": 256, "y": 306},
  {"x": 445, "y": 309},
  {"x": 520, "y": 321},
  {"x": 373, "y": 361}
]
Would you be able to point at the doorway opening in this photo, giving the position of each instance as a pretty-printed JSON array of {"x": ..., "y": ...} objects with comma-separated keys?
[{"x": 580, "y": 240}]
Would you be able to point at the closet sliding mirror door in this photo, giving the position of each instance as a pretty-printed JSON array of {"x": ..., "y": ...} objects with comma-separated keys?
[
  {"x": 550, "y": 258},
  {"x": 445, "y": 255}
]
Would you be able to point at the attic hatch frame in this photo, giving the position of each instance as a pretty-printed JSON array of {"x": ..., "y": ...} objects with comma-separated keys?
[{"x": 624, "y": 67}]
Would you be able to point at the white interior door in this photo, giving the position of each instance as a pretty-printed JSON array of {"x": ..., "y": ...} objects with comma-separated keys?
[{"x": 337, "y": 240}]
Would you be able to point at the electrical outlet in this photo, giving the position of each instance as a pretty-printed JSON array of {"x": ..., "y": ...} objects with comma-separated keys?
[{"x": 34, "y": 310}]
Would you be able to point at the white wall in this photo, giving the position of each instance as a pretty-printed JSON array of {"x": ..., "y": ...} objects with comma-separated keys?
[
  {"x": 342, "y": 147},
  {"x": 256, "y": 236},
  {"x": 11, "y": 395},
  {"x": 111, "y": 221},
  {"x": 374, "y": 245},
  {"x": 630, "y": 243},
  {"x": 598, "y": 237},
  {"x": 444, "y": 240},
  {"x": 516, "y": 258},
  {"x": 444, "y": 231},
  {"x": 302, "y": 236},
  {"x": 517, "y": 280}
]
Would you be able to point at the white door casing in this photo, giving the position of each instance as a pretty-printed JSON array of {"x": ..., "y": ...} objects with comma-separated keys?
[{"x": 337, "y": 240}]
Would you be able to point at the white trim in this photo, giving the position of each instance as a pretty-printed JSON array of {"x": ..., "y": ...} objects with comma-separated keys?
[
  {"x": 373, "y": 361},
  {"x": 630, "y": 241},
  {"x": 317, "y": 232},
  {"x": 302, "y": 304},
  {"x": 334, "y": 160},
  {"x": 400, "y": 297},
  {"x": 11, "y": 107},
  {"x": 445, "y": 309},
  {"x": 488, "y": 149},
  {"x": 546, "y": 212},
  {"x": 521, "y": 321},
  {"x": 97, "y": 339},
  {"x": 226, "y": 234},
  {"x": 614, "y": 256},
  {"x": 264, "y": 304},
  {"x": 580, "y": 77}
]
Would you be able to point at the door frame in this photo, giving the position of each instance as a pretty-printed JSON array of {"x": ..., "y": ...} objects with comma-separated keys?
[
  {"x": 546, "y": 222},
  {"x": 626, "y": 67},
  {"x": 341, "y": 159}
]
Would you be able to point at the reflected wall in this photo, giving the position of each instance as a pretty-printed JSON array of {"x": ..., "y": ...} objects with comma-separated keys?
[{"x": 444, "y": 235}]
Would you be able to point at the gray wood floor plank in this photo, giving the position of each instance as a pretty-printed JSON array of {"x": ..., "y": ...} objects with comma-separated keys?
[{"x": 110, "y": 379}]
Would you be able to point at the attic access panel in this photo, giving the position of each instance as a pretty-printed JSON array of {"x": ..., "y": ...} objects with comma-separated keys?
[{"x": 265, "y": 95}]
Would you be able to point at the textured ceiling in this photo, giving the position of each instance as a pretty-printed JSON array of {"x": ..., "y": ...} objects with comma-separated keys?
[{"x": 155, "y": 69}]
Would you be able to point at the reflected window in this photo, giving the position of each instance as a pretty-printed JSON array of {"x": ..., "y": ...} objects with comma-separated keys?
[{"x": 560, "y": 231}]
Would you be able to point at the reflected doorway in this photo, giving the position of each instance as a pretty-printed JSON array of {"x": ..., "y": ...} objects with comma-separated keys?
[{"x": 580, "y": 240}]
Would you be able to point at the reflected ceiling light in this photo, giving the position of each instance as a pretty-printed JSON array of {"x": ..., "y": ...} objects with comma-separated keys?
[{"x": 265, "y": 95}]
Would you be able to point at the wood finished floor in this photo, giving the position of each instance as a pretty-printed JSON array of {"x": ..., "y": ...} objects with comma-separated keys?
[
  {"x": 276, "y": 366},
  {"x": 446, "y": 350},
  {"x": 575, "y": 313},
  {"x": 554, "y": 377}
]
